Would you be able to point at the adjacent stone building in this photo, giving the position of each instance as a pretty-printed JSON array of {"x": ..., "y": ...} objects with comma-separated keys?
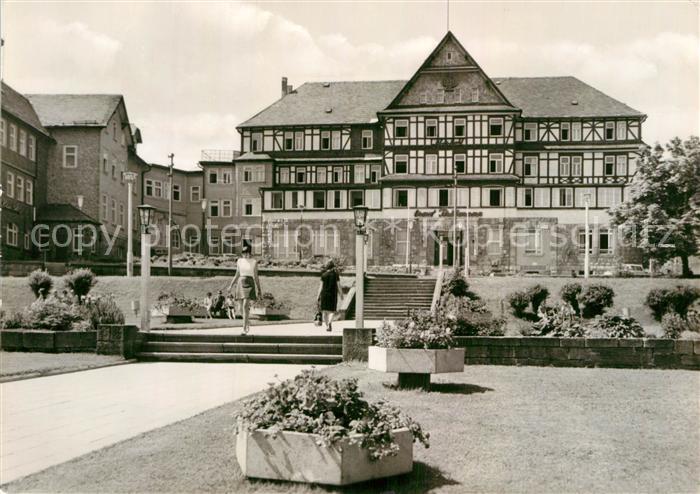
[{"x": 518, "y": 158}]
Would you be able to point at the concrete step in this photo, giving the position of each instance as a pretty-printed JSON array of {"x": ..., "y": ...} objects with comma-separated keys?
[
  {"x": 266, "y": 348},
  {"x": 221, "y": 338},
  {"x": 259, "y": 358}
]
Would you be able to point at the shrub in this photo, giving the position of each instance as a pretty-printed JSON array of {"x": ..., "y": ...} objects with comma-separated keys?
[
  {"x": 467, "y": 317},
  {"x": 40, "y": 283},
  {"x": 594, "y": 299},
  {"x": 101, "y": 310},
  {"x": 315, "y": 404},
  {"x": 519, "y": 302},
  {"x": 420, "y": 330},
  {"x": 455, "y": 284},
  {"x": 676, "y": 326},
  {"x": 51, "y": 313},
  {"x": 560, "y": 321},
  {"x": 267, "y": 301},
  {"x": 80, "y": 281},
  {"x": 569, "y": 293},
  {"x": 15, "y": 320},
  {"x": 537, "y": 294},
  {"x": 616, "y": 327},
  {"x": 168, "y": 299},
  {"x": 679, "y": 300}
]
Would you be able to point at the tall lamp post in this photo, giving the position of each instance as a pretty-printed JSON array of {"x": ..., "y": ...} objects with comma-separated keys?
[
  {"x": 146, "y": 217},
  {"x": 360, "y": 213},
  {"x": 169, "y": 240},
  {"x": 130, "y": 179},
  {"x": 587, "y": 239},
  {"x": 455, "y": 249},
  {"x": 204, "y": 238},
  {"x": 301, "y": 227}
]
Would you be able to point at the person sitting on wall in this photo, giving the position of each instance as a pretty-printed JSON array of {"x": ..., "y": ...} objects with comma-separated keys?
[{"x": 218, "y": 305}]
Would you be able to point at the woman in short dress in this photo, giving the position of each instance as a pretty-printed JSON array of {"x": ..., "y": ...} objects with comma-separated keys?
[
  {"x": 245, "y": 284},
  {"x": 329, "y": 293}
]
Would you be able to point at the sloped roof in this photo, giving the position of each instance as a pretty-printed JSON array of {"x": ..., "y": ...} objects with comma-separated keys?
[
  {"x": 554, "y": 97},
  {"x": 350, "y": 102},
  {"x": 54, "y": 213},
  {"x": 20, "y": 107},
  {"x": 68, "y": 110}
]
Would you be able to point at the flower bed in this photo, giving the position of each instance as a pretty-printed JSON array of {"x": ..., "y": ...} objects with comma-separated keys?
[{"x": 314, "y": 429}]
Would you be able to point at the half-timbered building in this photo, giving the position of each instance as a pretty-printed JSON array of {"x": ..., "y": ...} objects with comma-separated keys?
[{"x": 510, "y": 162}]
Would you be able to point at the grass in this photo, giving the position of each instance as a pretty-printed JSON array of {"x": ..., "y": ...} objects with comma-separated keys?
[
  {"x": 22, "y": 364},
  {"x": 298, "y": 292},
  {"x": 493, "y": 429}
]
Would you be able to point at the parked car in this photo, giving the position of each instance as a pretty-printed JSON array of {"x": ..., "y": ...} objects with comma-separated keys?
[{"x": 633, "y": 270}]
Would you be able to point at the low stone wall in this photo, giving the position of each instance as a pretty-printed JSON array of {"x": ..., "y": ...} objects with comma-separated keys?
[
  {"x": 582, "y": 352},
  {"x": 25, "y": 340}
]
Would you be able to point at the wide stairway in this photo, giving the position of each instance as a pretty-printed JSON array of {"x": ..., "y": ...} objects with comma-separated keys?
[
  {"x": 393, "y": 297},
  {"x": 166, "y": 347}
]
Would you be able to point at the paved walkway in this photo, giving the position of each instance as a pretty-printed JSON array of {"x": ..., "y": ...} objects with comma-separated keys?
[
  {"x": 293, "y": 329},
  {"x": 50, "y": 420}
]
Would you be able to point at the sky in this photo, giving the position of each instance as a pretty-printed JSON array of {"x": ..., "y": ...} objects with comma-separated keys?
[{"x": 191, "y": 71}]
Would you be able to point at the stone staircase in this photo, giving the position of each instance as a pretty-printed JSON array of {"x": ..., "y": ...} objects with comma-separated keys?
[
  {"x": 394, "y": 297},
  {"x": 275, "y": 349}
]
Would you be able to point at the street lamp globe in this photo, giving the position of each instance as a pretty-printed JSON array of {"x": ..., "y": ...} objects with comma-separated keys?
[
  {"x": 360, "y": 213},
  {"x": 204, "y": 205},
  {"x": 146, "y": 215}
]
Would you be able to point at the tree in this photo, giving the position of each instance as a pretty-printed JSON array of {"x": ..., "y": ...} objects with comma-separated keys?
[{"x": 662, "y": 212}]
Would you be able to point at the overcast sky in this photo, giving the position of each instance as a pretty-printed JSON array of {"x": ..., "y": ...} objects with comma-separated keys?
[{"x": 190, "y": 72}]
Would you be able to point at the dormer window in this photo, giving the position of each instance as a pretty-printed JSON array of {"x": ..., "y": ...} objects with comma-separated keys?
[{"x": 475, "y": 95}]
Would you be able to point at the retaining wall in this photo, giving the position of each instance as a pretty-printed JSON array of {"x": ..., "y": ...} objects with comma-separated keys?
[
  {"x": 582, "y": 352},
  {"x": 20, "y": 340}
]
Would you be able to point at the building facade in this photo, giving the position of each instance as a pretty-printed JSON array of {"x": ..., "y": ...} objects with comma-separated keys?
[{"x": 454, "y": 167}]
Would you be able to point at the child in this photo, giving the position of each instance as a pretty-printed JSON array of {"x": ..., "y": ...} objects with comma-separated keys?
[
  {"x": 208, "y": 305},
  {"x": 231, "y": 306}
]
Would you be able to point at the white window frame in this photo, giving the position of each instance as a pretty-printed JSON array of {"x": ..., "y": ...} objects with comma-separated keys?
[
  {"x": 279, "y": 195},
  {"x": 576, "y": 166},
  {"x": 314, "y": 195},
  {"x": 321, "y": 175},
  {"x": 122, "y": 215},
  {"x": 177, "y": 192},
  {"x": 532, "y": 128},
  {"x": 113, "y": 211},
  {"x": 3, "y": 132},
  {"x": 431, "y": 123},
  {"x": 566, "y": 193},
  {"x": 607, "y": 232},
  {"x": 214, "y": 204},
  {"x": 226, "y": 204},
  {"x": 576, "y": 131},
  {"x": 456, "y": 159},
  {"x": 609, "y": 125},
  {"x": 29, "y": 192},
  {"x": 10, "y": 184},
  {"x": 22, "y": 142},
  {"x": 501, "y": 197},
  {"x": 532, "y": 197},
  {"x": 431, "y": 164},
  {"x": 621, "y": 165},
  {"x": 621, "y": 130},
  {"x": 457, "y": 123},
  {"x": 13, "y": 137},
  {"x": 70, "y": 151},
  {"x": 401, "y": 124},
  {"x": 246, "y": 203},
  {"x": 533, "y": 162},
  {"x": 195, "y": 190},
  {"x": 403, "y": 158},
  {"x": 609, "y": 159},
  {"x": 256, "y": 142},
  {"x": 20, "y": 188},
  {"x": 497, "y": 159},
  {"x": 395, "y": 198},
  {"x": 288, "y": 141},
  {"x": 359, "y": 174},
  {"x": 336, "y": 140},
  {"x": 367, "y": 139},
  {"x": 12, "y": 234},
  {"x": 495, "y": 121},
  {"x": 326, "y": 134},
  {"x": 105, "y": 208},
  {"x": 565, "y": 126},
  {"x": 226, "y": 176},
  {"x": 564, "y": 165},
  {"x": 536, "y": 234},
  {"x": 213, "y": 173},
  {"x": 298, "y": 140}
]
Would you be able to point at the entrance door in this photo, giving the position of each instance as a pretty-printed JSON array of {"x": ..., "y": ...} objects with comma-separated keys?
[{"x": 448, "y": 248}]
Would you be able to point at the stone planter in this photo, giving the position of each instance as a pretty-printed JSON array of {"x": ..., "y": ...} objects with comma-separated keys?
[
  {"x": 267, "y": 313},
  {"x": 414, "y": 365},
  {"x": 296, "y": 457},
  {"x": 179, "y": 314}
]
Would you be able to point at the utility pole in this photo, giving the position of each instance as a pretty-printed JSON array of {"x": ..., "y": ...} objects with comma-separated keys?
[{"x": 169, "y": 239}]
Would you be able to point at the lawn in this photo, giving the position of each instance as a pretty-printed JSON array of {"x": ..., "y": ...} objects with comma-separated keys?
[
  {"x": 298, "y": 292},
  {"x": 23, "y": 364},
  {"x": 493, "y": 429}
]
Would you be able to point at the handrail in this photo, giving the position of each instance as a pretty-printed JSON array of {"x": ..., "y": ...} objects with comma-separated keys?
[{"x": 437, "y": 291}]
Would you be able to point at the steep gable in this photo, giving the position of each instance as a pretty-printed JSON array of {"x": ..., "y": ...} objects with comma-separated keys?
[{"x": 449, "y": 76}]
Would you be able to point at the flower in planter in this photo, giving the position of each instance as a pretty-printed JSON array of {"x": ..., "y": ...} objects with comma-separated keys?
[
  {"x": 420, "y": 330},
  {"x": 315, "y": 404},
  {"x": 169, "y": 299}
]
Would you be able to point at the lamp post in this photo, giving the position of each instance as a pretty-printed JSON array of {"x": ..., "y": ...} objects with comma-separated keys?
[
  {"x": 466, "y": 247},
  {"x": 146, "y": 216},
  {"x": 169, "y": 240},
  {"x": 455, "y": 249},
  {"x": 360, "y": 213},
  {"x": 204, "y": 238},
  {"x": 587, "y": 240},
  {"x": 130, "y": 179}
]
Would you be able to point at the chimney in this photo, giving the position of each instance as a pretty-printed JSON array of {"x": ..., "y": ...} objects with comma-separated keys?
[{"x": 285, "y": 89}]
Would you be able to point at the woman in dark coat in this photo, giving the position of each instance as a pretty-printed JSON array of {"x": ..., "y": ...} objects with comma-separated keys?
[{"x": 329, "y": 293}]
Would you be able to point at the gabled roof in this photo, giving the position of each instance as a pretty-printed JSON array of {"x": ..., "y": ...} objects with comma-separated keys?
[
  {"x": 470, "y": 63},
  {"x": 56, "y": 213},
  {"x": 75, "y": 110},
  {"x": 349, "y": 102},
  {"x": 20, "y": 107},
  {"x": 555, "y": 97}
]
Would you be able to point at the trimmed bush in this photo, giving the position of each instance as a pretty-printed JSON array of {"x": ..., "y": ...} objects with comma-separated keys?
[
  {"x": 679, "y": 300},
  {"x": 51, "y": 314},
  {"x": 455, "y": 284},
  {"x": 15, "y": 320},
  {"x": 569, "y": 293},
  {"x": 609, "y": 326},
  {"x": 80, "y": 281},
  {"x": 40, "y": 283},
  {"x": 538, "y": 294},
  {"x": 519, "y": 302},
  {"x": 594, "y": 299}
]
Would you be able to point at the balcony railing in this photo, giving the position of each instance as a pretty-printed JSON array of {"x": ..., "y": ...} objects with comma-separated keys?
[{"x": 226, "y": 155}]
